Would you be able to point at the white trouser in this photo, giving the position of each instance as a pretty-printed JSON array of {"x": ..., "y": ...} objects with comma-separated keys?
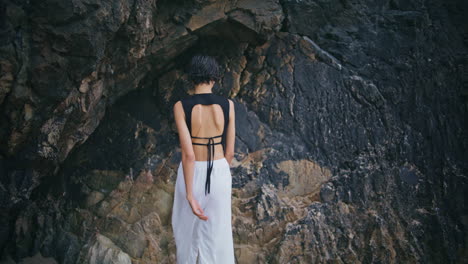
[{"x": 212, "y": 238}]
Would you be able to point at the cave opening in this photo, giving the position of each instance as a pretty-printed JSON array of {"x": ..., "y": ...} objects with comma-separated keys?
[
  {"x": 137, "y": 131},
  {"x": 226, "y": 40}
]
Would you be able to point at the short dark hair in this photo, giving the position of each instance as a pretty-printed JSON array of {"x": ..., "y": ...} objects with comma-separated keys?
[{"x": 203, "y": 69}]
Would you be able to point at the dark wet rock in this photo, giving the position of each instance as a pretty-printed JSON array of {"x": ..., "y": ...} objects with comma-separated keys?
[{"x": 351, "y": 129}]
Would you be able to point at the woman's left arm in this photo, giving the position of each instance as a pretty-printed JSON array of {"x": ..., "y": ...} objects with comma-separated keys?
[
  {"x": 188, "y": 159},
  {"x": 188, "y": 156}
]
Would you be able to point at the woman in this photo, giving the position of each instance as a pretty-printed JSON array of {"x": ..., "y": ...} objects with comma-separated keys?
[{"x": 201, "y": 214}]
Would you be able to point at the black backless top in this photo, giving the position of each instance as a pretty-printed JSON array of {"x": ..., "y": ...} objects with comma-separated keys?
[{"x": 207, "y": 99}]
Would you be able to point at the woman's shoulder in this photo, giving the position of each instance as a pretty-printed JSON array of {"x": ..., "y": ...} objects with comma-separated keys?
[
  {"x": 177, "y": 105},
  {"x": 222, "y": 97},
  {"x": 217, "y": 98},
  {"x": 184, "y": 99},
  {"x": 227, "y": 99}
]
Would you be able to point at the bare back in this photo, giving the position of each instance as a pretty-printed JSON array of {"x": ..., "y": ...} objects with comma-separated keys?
[
  {"x": 207, "y": 121},
  {"x": 206, "y": 126}
]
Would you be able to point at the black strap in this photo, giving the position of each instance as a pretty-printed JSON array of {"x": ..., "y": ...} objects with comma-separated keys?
[
  {"x": 208, "y": 137},
  {"x": 210, "y": 162}
]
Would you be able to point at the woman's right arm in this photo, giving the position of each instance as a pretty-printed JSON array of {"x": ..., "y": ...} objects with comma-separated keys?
[{"x": 231, "y": 133}]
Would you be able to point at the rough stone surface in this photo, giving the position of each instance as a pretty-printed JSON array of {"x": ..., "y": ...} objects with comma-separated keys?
[{"x": 351, "y": 128}]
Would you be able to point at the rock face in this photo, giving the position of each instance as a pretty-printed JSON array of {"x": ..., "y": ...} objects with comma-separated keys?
[{"x": 351, "y": 128}]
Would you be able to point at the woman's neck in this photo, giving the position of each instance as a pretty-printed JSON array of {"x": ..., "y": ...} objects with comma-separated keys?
[{"x": 203, "y": 88}]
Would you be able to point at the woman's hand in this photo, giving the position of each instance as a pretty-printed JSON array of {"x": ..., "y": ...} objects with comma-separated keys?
[{"x": 196, "y": 209}]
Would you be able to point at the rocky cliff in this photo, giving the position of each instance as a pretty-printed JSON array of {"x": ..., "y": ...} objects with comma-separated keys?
[{"x": 351, "y": 127}]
